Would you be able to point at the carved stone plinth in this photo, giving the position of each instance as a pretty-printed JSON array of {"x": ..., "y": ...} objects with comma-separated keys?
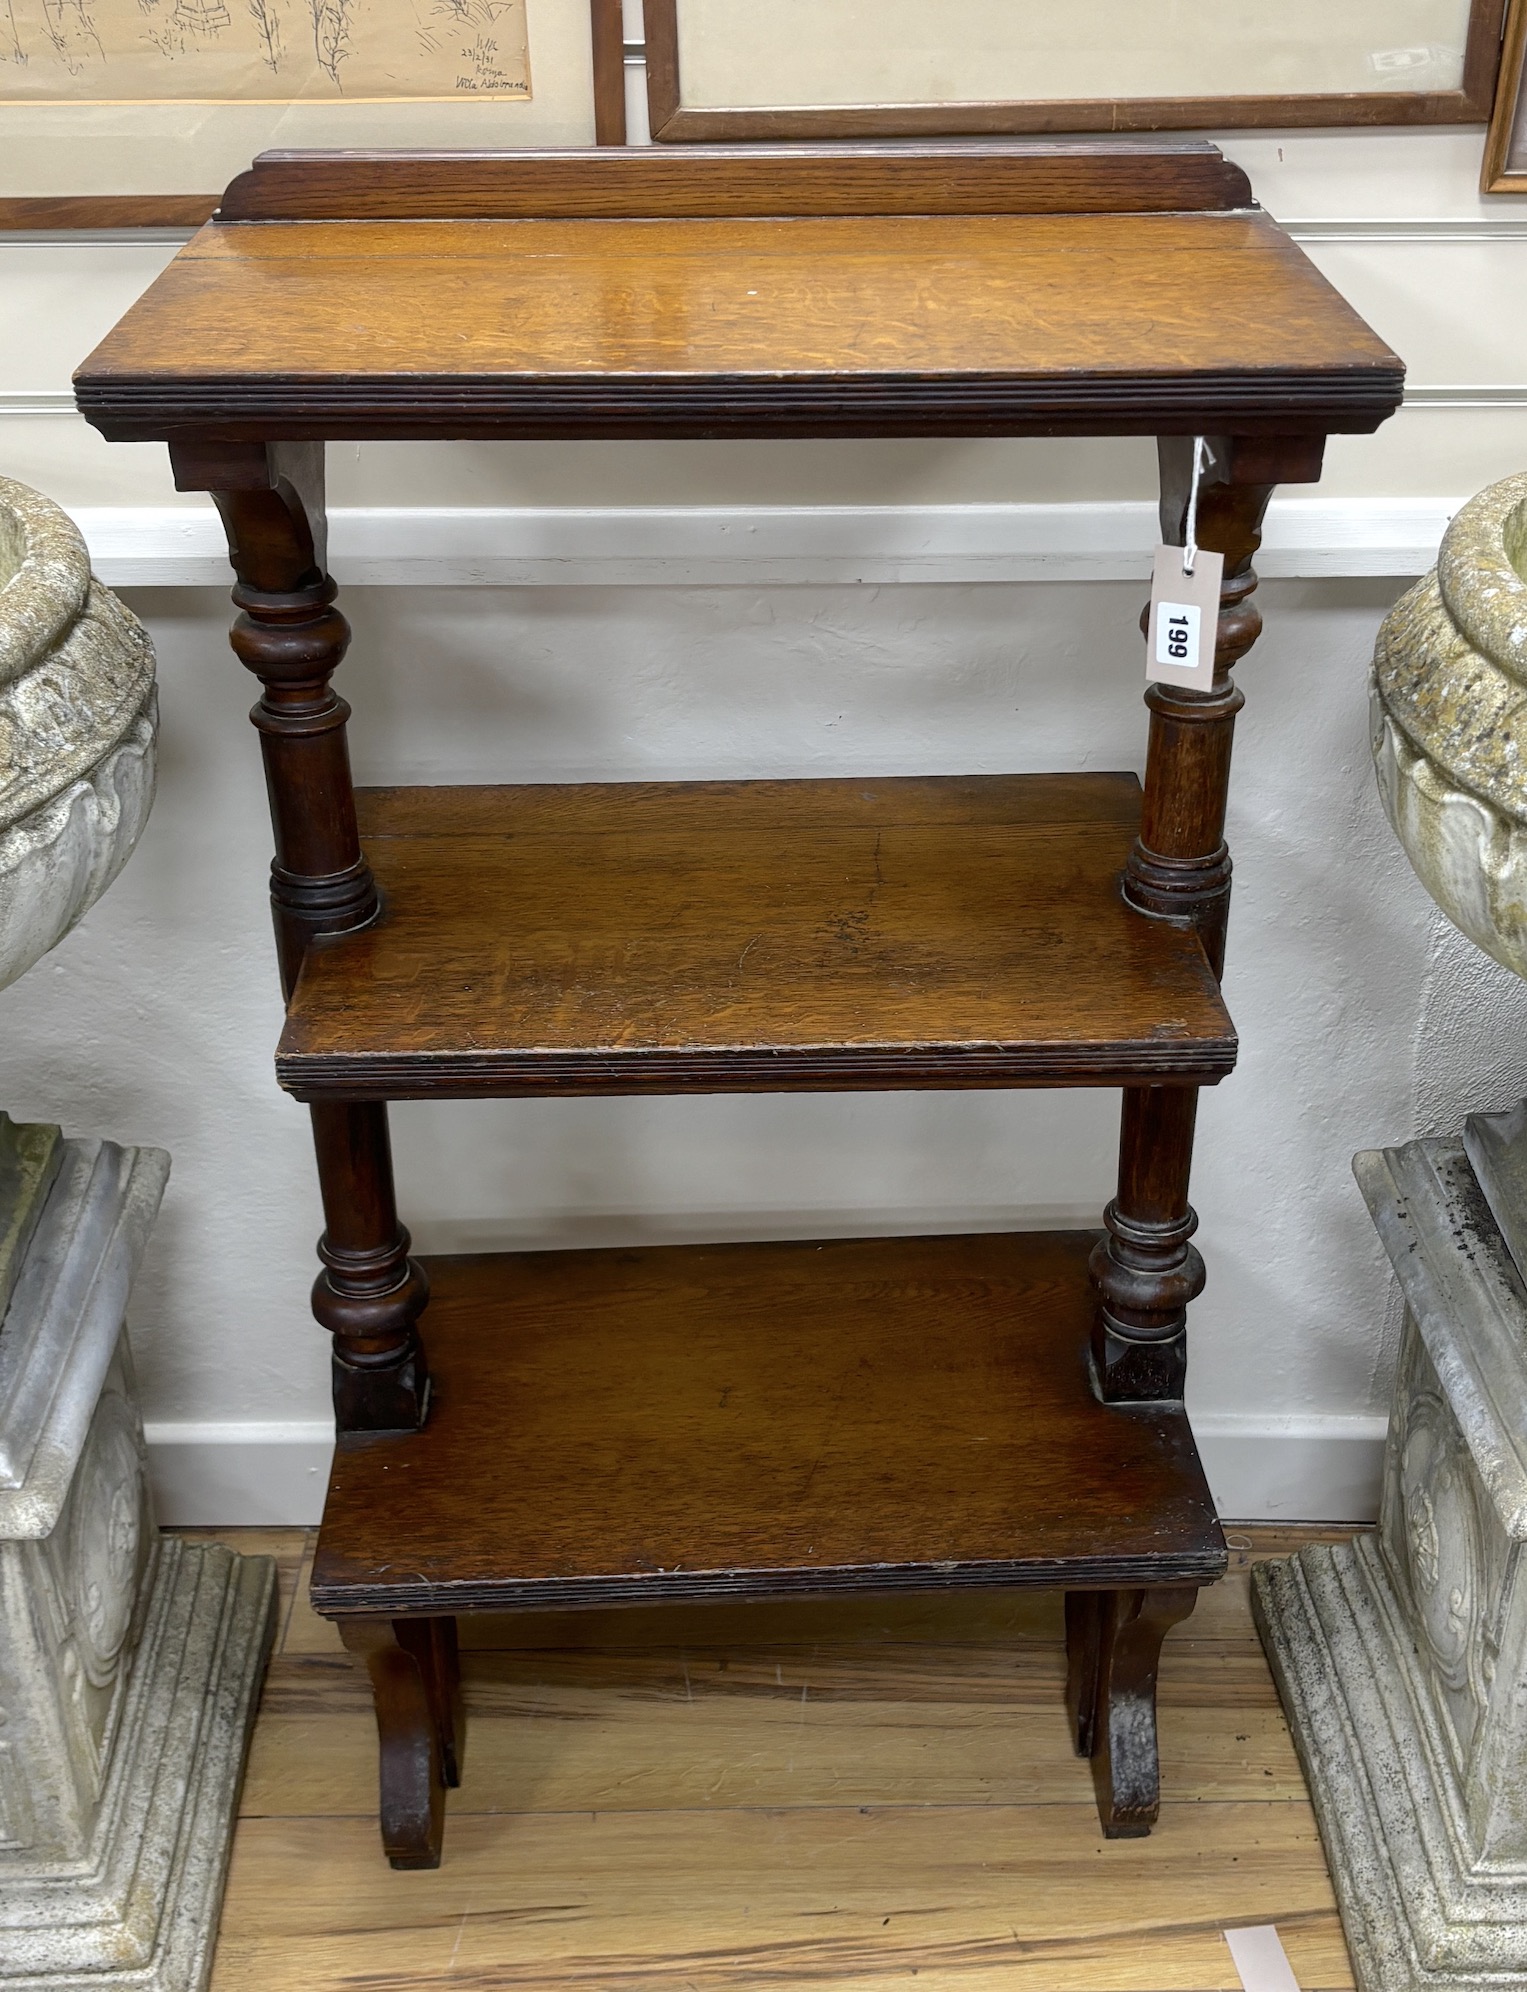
[
  {"x": 129, "y": 1667},
  {"x": 1402, "y": 1659}
]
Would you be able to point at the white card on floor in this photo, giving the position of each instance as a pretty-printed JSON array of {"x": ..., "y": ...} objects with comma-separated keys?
[
  {"x": 1260, "y": 1960},
  {"x": 1184, "y": 619}
]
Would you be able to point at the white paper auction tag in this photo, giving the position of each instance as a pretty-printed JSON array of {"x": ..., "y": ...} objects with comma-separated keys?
[
  {"x": 1261, "y": 1962},
  {"x": 1179, "y": 640}
]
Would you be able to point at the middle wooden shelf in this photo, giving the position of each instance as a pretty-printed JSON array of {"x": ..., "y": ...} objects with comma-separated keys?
[{"x": 664, "y": 937}]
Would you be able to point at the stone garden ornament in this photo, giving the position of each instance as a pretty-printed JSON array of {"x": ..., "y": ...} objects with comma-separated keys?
[
  {"x": 1450, "y": 723},
  {"x": 77, "y": 729},
  {"x": 1402, "y": 1657},
  {"x": 129, "y": 1665}
]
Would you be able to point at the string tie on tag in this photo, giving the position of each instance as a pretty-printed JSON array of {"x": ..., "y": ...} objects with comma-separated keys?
[{"x": 1202, "y": 454}]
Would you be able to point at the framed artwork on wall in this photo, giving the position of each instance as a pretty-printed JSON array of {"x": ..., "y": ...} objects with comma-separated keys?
[
  {"x": 133, "y": 113},
  {"x": 1505, "y": 167},
  {"x": 804, "y": 69}
]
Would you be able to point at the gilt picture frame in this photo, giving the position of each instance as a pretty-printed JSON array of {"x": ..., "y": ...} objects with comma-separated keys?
[{"x": 1505, "y": 160}]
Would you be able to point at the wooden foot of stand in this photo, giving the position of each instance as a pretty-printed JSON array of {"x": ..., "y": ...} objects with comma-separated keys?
[
  {"x": 1113, "y": 1647},
  {"x": 416, "y": 1689}
]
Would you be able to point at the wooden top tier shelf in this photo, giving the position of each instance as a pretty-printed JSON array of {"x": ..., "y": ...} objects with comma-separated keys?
[
  {"x": 1025, "y": 290},
  {"x": 614, "y": 1427}
]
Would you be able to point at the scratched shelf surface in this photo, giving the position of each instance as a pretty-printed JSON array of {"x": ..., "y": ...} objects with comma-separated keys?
[
  {"x": 704, "y": 1421},
  {"x": 724, "y": 936}
]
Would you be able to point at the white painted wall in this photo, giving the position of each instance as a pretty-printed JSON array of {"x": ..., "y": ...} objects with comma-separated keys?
[{"x": 750, "y": 650}]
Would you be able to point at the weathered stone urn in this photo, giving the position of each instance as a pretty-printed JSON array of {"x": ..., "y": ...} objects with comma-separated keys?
[
  {"x": 77, "y": 729},
  {"x": 129, "y": 1666},
  {"x": 1450, "y": 723},
  {"x": 1402, "y": 1657}
]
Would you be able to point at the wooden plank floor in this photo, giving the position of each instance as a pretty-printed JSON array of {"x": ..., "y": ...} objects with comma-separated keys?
[{"x": 842, "y": 1795}]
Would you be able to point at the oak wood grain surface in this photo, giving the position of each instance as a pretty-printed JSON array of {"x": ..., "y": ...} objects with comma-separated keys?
[
  {"x": 1035, "y": 176},
  {"x": 46, "y": 213},
  {"x": 620, "y": 1426},
  {"x": 744, "y": 1797},
  {"x": 630, "y": 937},
  {"x": 886, "y": 325}
]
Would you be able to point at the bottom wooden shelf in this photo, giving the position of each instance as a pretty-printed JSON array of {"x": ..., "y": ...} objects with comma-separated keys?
[{"x": 619, "y": 1427}]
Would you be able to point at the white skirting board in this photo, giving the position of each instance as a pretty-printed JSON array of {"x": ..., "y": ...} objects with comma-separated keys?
[
  {"x": 727, "y": 545},
  {"x": 1292, "y": 1469},
  {"x": 231, "y": 1475},
  {"x": 1307, "y": 1469}
]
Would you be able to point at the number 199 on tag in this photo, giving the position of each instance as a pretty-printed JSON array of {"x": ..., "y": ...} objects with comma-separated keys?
[
  {"x": 1184, "y": 619},
  {"x": 1177, "y": 634}
]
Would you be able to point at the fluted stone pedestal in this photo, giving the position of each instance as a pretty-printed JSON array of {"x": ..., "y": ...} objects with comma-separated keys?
[
  {"x": 129, "y": 1667},
  {"x": 1402, "y": 1659}
]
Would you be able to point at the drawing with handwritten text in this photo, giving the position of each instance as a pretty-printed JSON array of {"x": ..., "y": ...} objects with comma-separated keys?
[{"x": 146, "y": 51}]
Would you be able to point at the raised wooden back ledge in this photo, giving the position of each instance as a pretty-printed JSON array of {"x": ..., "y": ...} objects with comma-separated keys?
[{"x": 1035, "y": 176}]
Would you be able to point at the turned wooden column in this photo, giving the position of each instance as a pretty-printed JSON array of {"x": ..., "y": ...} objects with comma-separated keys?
[
  {"x": 292, "y": 637},
  {"x": 1147, "y": 1270}
]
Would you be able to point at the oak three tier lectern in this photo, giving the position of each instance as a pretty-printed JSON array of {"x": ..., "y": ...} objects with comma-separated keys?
[{"x": 611, "y": 1427}]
